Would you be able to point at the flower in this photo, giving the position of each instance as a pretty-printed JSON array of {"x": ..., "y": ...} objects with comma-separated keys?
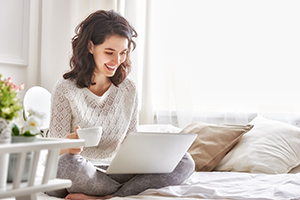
[
  {"x": 40, "y": 115},
  {"x": 9, "y": 102},
  {"x": 10, "y": 106},
  {"x": 32, "y": 124}
]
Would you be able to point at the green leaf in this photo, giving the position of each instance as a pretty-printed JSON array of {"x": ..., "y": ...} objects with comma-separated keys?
[
  {"x": 15, "y": 130},
  {"x": 28, "y": 134}
]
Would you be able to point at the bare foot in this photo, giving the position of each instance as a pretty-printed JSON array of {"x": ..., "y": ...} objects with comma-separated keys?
[{"x": 80, "y": 196}]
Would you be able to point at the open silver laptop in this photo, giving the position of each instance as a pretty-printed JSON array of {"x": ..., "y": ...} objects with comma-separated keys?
[{"x": 144, "y": 152}]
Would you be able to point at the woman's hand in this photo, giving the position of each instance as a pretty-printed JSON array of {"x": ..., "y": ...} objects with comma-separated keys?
[
  {"x": 74, "y": 135},
  {"x": 76, "y": 150}
]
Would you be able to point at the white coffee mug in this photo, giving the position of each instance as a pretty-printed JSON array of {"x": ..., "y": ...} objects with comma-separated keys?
[{"x": 91, "y": 135}]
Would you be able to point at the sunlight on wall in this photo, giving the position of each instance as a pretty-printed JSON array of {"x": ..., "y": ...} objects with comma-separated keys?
[{"x": 228, "y": 55}]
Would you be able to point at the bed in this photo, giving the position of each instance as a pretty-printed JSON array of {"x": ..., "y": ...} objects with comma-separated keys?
[{"x": 259, "y": 160}]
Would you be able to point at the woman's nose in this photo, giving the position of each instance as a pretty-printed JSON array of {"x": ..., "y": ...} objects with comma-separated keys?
[{"x": 117, "y": 58}]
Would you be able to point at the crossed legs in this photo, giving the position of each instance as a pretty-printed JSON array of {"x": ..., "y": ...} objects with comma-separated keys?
[{"x": 88, "y": 180}]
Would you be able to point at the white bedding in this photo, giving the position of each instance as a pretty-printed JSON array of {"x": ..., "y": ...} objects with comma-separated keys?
[
  {"x": 225, "y": 185},
  {"x": 235, "y": 185}
]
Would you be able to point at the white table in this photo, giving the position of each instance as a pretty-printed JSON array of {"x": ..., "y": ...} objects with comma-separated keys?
[{"x": 27, "y": 190}]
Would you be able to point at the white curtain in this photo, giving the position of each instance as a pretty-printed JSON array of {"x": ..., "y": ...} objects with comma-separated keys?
[{"x": 220, "y": 61}]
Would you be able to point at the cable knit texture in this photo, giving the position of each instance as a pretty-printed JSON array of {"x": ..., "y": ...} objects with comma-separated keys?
[{"x": 116, "y": 111}]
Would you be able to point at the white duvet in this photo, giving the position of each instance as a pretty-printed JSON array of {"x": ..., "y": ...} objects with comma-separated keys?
[{"x": 235, "y": 185}]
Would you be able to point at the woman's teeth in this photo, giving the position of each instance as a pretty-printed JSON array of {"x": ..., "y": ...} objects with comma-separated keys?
[{"x": 110, "y": 67}]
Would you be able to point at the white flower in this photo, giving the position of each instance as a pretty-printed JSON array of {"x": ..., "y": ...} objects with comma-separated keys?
[
  {"x": 40, "y": 115},
  {"x": 5, "y": 110},
  {"x": 33, "y": 124}
]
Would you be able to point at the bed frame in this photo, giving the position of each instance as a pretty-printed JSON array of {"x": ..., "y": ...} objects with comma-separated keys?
[{"x": 27, "y": 190}]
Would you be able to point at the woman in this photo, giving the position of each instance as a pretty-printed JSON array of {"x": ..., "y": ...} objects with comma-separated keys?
[{"x": 97, "y": 92}]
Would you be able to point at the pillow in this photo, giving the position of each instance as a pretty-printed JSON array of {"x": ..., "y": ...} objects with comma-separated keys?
[
  {"x": 295, "y": 170},
  {"x": 213, "y": 142},
  {"x": 271, "y": 147}
]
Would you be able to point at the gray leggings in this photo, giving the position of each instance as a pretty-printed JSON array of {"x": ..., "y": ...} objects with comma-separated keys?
[{"x": 88, "y": 180}]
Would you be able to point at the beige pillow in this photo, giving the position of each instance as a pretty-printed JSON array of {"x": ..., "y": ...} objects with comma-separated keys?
[{"x": 213, "y": 142}]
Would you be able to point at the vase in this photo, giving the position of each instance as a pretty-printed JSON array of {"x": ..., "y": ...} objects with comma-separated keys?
[
  {"x": 14, "y": 157},
  {"x": 5, "y": 131},
  {"x": 5, "y": 137}
]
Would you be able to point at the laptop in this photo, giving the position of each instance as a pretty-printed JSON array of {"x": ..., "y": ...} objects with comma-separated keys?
[{"x": 147, "y": 152}]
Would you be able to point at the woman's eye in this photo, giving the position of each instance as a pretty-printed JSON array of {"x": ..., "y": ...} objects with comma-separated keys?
[
  {"x": 109, "y": 53},
  {"x": 123, "y": 53}
]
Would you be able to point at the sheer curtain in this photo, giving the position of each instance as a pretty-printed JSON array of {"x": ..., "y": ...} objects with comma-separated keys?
[{"x": 220, "y": 61}]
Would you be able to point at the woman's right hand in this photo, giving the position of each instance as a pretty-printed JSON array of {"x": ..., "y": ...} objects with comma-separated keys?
[{"x": 76, "y": 150}]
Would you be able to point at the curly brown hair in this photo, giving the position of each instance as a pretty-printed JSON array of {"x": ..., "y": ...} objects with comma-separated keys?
[{"x": 97, "y": 27}]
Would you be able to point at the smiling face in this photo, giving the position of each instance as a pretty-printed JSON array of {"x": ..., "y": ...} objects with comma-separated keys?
[{"x": 109, "y": 55}]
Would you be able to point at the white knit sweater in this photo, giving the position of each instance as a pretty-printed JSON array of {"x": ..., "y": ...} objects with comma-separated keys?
[{"x": 116, "y": 111}]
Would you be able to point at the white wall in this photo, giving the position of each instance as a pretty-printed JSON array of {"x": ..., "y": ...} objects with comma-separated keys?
[{"x": 14, "y": 23}]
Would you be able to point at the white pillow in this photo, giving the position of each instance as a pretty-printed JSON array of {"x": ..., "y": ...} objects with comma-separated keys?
[{"x": 271, "y": 147}]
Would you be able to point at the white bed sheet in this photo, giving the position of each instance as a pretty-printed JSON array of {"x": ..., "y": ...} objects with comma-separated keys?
[
  {"x": 234, "y": 185},
  {"x": 225, "y": 185}
]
